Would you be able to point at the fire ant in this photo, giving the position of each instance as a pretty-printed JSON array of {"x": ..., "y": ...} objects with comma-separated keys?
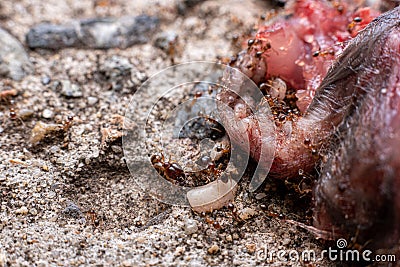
[
  {"x": 353, "y": 24},
  {"x": 230, "y": 206},
  {"x": 172, "y": 171},
  {"x": 210, "y": 221},
  {"x": 266, "y": 45},
  {"x": 93, "y": 218},
  {"x": 68, "y": 123},
  {"x": 339, "y": 7},
  {"x": 234, "y": 211},
  {"x": 13, "y": 115},
  {"x": 4, "y": 96},
  {"x": 323, "y": 53},
  {"x": 271, "y": 213},
  {"x": 13, "y": 112},
  {"x": 172, "y": 50},
  {"x": 212, "y": 169}
]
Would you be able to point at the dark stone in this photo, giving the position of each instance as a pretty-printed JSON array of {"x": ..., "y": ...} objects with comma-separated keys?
[{"x": 101, "y": 33}]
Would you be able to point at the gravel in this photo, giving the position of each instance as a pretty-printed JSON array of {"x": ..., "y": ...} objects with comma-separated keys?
[
  {"x": 191, "y": 226},
  {"x": 69, "y": 89}
]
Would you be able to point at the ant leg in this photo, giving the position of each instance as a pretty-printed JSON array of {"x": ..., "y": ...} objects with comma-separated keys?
[{"x": 13, "y": 113}]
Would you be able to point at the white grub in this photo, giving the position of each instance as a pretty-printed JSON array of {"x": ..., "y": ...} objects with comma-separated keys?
[
  {"x": 212, "y": 196},
  {"x": 278, "y": 88}
]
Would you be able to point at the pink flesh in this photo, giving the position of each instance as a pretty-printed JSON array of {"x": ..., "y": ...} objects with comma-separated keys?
[
  {"x": 314, "y": 26},
  {"x": 287, "y": 47},
  {"x": 354, "y": 116}
]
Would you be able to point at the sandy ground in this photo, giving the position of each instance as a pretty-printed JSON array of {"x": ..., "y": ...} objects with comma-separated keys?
[{"x": 71, "y": 201}]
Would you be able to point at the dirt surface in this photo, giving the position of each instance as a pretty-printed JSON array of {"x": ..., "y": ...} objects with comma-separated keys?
[{"x": 69, "y": 200}]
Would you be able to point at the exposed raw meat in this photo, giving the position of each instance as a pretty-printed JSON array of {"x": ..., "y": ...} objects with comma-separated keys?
[
  {"x": 300, "y": 47},
  {"x": 353, "y": 121},
  {"x": 287, "y": 49}
]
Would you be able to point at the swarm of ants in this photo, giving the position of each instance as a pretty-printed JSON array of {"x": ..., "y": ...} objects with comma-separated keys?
[{"x": 174, "y": 173}]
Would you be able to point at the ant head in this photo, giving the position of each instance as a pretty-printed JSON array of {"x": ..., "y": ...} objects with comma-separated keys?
[{"x": 157, "y": 157}]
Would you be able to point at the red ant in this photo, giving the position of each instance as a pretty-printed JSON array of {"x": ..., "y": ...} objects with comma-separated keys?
[
  {"x": 353, "y": 24},
  {"x": 339, "y": 7},
  {"x": 68, "y": 123},
  {"x": 215, "y": 223},
  {"x": 13, "y": 112},
  {"x": 211, "y": 170},
  {"x": 210, "y": 221},
  {"x": 234, "y": 211},
  {"x": 93, "y": 218},
  {"x": 266, "y": 45},
  {"x": 4, "y": 96},
  {"x": 172, "y": 171},
  {"x": 323, "y": 53},
  {"x": 271, "y": 213}
]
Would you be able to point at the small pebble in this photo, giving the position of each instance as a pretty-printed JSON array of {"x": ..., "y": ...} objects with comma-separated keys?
[
  {"x": 191, "y": 227},
  {"x": 251, "y": 248},
  {"x": 23, "y": 210},
  {"x": 246, "y": 213},
  {"x": 51, "y": 194},
  {"x": 70, "y": 89},
  {"x": 42, "y": 263},
  {"x": 54, "y": 149},
  {"x": 229, "y": 238},
  {"x": 179, "y": 251},
  {"x": 213, "y": 249},
  {"x": 47, "y": 113},
  {"x": 33, "y": 211},
  {"x": 101, "y": 33},
  {"x": 73, "y": 211},
  {"x": 165, "y": 40},
  {"x": 46, "y": 80},
  {"x": 42, "y": 129},
  {"x": 96, "y": 152},
  {"x": 116, "y": 67},
  {"x": 140, "y": 239},
  {"x": 116, "y": 149},
  {"x": 141, "y": 76},
  {"x": 92, "y": 100},
  {"x": 14, "y": 63},
  {"x": 286, "y": 241},
  {"x": 153, "y": 261},
  {"x": 25, "y": 113},
  {"x": 127, "y": 263}
]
